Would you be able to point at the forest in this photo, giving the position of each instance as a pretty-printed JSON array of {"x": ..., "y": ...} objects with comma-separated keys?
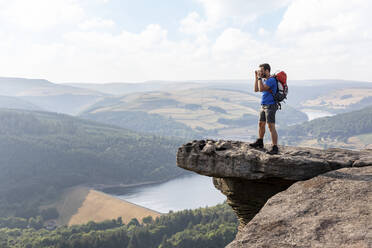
[
  {"x": 338, "y": 127},
  {"x": 210, "y": 227},
  {"x": 144, "y": 122},
  {"x": 42, "y": 153}
]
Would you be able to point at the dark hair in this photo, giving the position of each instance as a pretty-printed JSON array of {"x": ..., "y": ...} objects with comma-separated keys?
[{"x": 266, "y": 66}]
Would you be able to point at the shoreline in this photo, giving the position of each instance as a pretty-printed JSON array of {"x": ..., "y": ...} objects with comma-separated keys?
[
  {"x": 130, "y": 202},
  {"x": 102, "y": 187}
]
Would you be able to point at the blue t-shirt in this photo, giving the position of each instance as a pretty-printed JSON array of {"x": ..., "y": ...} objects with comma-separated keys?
[{"x": 267, "y": 97}]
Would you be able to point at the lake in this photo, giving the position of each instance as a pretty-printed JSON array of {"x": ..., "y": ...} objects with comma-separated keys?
[
  {"x": 314, "y": 114},
  {"x": 187, "y": 192}
]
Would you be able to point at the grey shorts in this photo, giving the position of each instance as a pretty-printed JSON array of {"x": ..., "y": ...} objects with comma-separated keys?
[{"x": 267, "y": 113}]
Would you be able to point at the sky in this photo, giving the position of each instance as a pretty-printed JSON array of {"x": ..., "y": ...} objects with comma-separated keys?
[{"x": 101, "y": 41}]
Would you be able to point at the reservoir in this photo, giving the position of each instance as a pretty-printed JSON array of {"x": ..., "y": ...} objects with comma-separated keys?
[
  {"x": 314, "y": 114},
  {"x": 187, "y": 192}
]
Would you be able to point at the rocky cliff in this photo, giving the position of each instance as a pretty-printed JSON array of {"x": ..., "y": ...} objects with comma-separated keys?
[{"x": 277, "y": 204}]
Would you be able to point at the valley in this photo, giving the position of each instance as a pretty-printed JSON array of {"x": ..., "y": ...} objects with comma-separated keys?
[{"x": 78, "y": 154}]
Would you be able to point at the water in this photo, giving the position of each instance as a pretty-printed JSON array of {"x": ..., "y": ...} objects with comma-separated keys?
[
  {"x": 314, "y": 114},
  {"x": 188, "y": 192}
]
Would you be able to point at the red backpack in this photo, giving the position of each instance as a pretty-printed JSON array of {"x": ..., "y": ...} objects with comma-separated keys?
[{"x": 282, "y": 87}]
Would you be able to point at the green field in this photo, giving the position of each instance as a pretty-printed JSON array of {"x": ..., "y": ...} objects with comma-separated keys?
[{"x": 203, "y": 111}]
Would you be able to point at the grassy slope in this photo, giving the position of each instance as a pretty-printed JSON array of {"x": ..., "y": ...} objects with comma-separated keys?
[
  {"x": 79, "y": 205},
  {"x": 342, "y": 100},
  {"x": 99, "y": 206}
]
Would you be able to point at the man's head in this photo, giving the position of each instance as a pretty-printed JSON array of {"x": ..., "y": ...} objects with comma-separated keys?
[{"x": 265, "y": 70}]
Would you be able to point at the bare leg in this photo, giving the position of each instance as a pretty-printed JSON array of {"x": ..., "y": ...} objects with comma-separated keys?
[
  {"x": 274, "y": 134},
  {"x": 261, "y": 129}
]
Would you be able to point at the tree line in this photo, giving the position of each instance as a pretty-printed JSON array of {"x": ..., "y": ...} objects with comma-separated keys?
[{"x": 204, "y": 227}]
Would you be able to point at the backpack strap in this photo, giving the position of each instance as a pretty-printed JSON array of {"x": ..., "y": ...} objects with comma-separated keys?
[{"x": 277, "y": 103}]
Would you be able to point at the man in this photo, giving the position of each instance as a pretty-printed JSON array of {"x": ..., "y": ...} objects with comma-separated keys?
[{"x": 268, "y": 86}]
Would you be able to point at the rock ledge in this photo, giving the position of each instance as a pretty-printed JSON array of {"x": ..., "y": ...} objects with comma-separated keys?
[{"x": 249, "y": 177}]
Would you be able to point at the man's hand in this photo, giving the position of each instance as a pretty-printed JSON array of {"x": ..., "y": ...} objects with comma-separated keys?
[{"x": 258, "y": 74}]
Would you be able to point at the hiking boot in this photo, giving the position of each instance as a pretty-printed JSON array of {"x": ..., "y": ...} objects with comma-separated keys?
[
  {"x": 274, "y": 150},
  {"x": 257, "y": 144}
]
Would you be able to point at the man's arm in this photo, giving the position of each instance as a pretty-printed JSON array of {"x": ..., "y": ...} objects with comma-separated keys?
[
  {"x": 262, "y": 86},
  {"x": 256, "y": 83}
]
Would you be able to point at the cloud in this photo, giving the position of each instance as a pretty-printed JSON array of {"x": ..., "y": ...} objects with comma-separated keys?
[
  {"x": 95, "y": 23},
  {"x": 221, "y": 14},
  {"x": 241, "y": 11},
  {"x": 194, "y": 24},
  {"x": 340, "y": 18},
  {"x": 38, "y": 15},
  {"x": 330, "y": 38},
  {"x": 315, "y": 39}
]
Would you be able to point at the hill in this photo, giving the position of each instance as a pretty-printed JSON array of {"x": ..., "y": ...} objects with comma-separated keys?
[
  {"x": 74, "y": 98},
  {"x": 49, "y": 96},
  {"x": 203, "y": 110},
  {"x": 144, "y": 122},
  {"x": 331, "y": 131},
  {"x": 342, "y": 100},
  {"x": 335, "y": 96},
  {"x": 128, "y": 88},
  {"x": 79, "y": 205},
  {"x": 98, "y": 206},
  {"x": 17, "y": 103},
  {"x": 42, "y": 153}
]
